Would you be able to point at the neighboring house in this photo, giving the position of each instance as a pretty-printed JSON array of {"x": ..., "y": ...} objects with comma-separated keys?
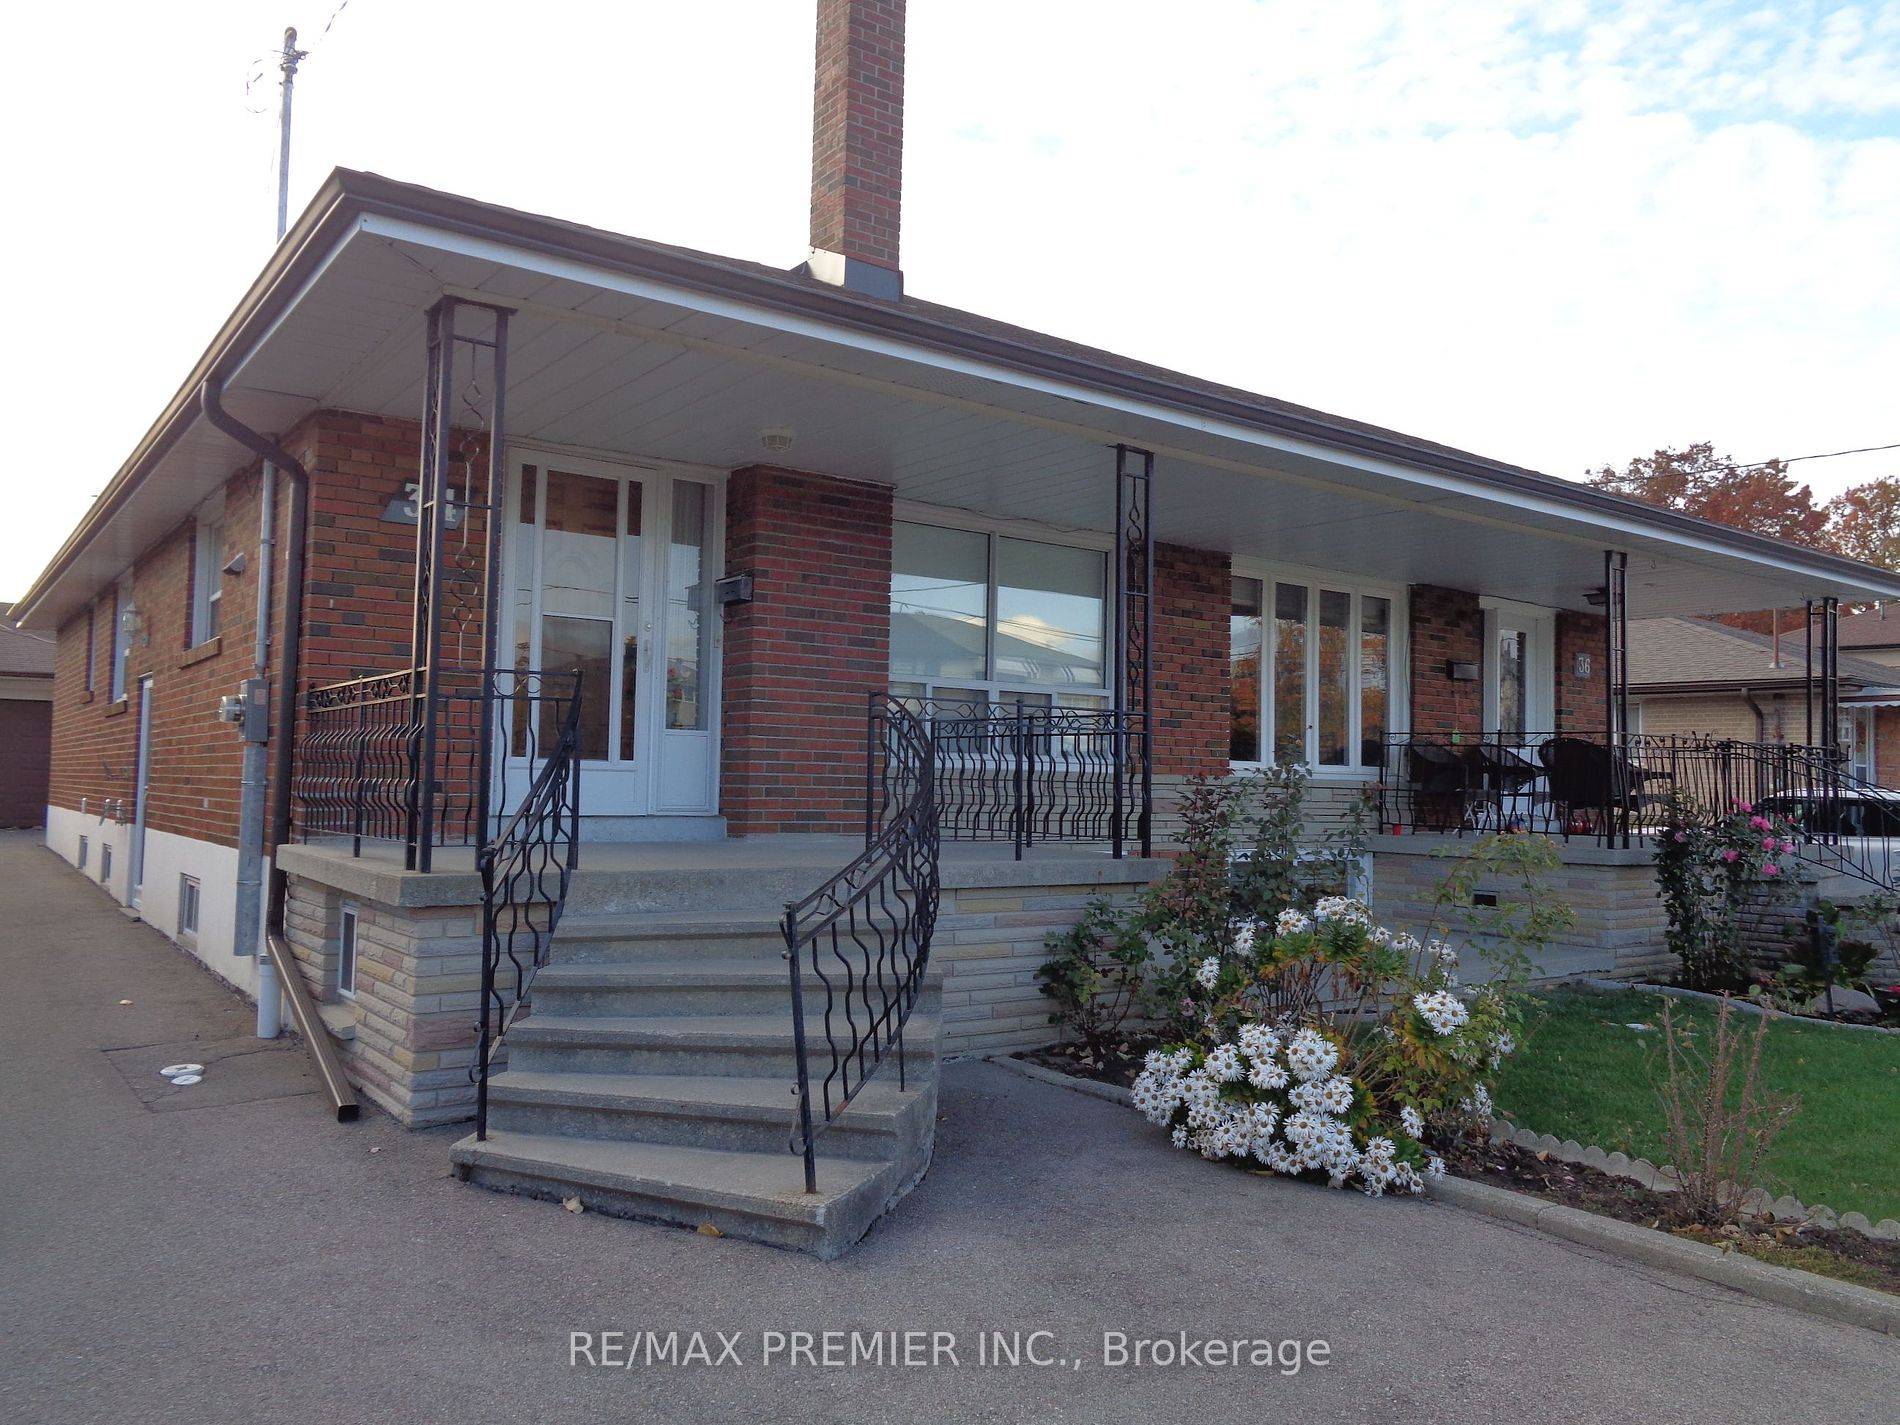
[
  {"x": 26, "y": 722},
  {"x": 1705, "y": 679},
  {"x": 745, "y": 504}
]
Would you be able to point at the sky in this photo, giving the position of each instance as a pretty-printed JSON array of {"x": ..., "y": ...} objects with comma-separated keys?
[{"x": 1559, "y": 233}]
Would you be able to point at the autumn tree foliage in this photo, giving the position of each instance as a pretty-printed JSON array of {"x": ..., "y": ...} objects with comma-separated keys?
[
  {"x": 1698, "y": 481},
  {"x": 1862, "y": 522}
]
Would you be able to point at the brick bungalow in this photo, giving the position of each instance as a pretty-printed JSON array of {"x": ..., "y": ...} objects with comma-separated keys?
[{"x": 741, "y": 501}]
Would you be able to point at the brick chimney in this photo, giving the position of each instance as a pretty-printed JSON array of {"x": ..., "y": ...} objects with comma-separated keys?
[{"x": 857, "y": 146}]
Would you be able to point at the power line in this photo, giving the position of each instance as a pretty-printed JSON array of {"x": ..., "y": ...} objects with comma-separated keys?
[{"x": 1825, "y": 455}]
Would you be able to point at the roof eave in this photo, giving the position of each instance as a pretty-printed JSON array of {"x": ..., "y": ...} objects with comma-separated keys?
[{"x": 347, "y": 194}]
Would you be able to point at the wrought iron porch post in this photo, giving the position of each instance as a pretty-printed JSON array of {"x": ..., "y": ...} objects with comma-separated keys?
[
  {"x": 426, "y": 623},
  {"x": 1807, "y": 668},
  {"x": 1133, "y": 664},
  {"x": 495, "y": 512},
  {"x": 1616, "y": 700}
]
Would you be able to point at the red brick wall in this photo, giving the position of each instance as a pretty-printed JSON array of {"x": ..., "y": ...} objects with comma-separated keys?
[
  {"x": 195, "y": 759},
  {"x": 802, "y": 657},
  {"x": 1447, "y": 626},
  {"x": 1579, "y": 700},
  {"x": 1887, "y": 746},
  {"x": 359, "y": 578},
  {"x": 857, "y": 168},
  {"x": 1191, "y": 671}
]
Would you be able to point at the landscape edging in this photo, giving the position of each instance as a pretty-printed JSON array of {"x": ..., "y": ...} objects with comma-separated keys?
[
  {"x": 1644, "y": 1173},
  {"x": 1746, "y": 1006},
  {"x": 1785, "y": 1286}
]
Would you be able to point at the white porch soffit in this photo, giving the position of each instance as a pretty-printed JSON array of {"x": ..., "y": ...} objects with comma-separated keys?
[{"x": 607, "y": 358}]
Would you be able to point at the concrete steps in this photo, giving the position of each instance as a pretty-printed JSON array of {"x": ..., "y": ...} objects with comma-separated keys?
[
  {"x": 652, "y": 1077},
  {"x": 760, "y": 1196},
  {"x": 698, "y": 1110}
]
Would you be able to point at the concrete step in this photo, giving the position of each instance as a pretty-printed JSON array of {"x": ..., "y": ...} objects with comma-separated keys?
[
  {"x": 692, "y": 986},
  {"x": 713, "y": 887},
  {"x": 756, "y": 1045},
  {"x": 760, "y": 1196},
  {"x": 706, "y": 1111},
  {"x": 596, "y": 939}
]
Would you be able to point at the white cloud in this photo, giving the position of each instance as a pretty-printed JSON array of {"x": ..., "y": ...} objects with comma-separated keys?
[{"x": 1558, "y": 233}]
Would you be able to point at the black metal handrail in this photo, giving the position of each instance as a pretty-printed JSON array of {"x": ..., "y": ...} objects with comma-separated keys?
[
  {"x": 1017, "y": 771},
  {"x": 864, "y": 936},
  {"x": 526, "y": 868}
]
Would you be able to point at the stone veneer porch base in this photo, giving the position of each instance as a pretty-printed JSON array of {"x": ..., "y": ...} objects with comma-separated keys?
[
  {"x": 419, "y": 949},
  {"x": 1619, "y": 928}
]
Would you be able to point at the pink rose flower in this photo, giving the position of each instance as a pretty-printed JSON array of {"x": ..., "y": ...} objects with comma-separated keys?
[
  {"x": 1771, "y": 869},
  {"x": 1731, "y": 855},
  {"x": 1760, "y": 823},
  {"x": 1768, "y": 844},
  {"x": 1743, "y": 807},
  {"x": 1787, "y": 848},
  {"x": 1682, "y": 836}
]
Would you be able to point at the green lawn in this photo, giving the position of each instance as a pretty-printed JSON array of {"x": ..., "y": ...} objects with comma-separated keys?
[{"x": 1582, "y": 1073}]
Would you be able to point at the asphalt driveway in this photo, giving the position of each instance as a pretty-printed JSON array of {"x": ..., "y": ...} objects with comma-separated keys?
[{"x": 230, "y": 1254}]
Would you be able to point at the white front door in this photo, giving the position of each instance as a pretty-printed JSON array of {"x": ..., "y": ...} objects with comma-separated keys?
[{"x": 611, "y": 568}]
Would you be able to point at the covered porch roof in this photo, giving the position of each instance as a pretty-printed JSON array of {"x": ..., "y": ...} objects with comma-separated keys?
[{"x": 632, "y": 348}]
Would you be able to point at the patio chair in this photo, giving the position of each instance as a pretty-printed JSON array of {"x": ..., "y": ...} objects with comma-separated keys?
[
  {"x": 1441, "y": 781},
  {"x": 1586, "y": 777}
]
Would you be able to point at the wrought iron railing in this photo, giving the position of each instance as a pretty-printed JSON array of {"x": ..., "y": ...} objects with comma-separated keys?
[
  {"x": 1014, "y": 771},
  {"x": 359, "y": 769},
  {"x": 526, "y": 869},
  {"x": 857, "y": 946},
  {"x": 1615, "y": 790}
]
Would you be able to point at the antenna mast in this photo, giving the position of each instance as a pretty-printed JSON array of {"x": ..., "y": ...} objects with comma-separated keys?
[{"x": 291, "y": 59}]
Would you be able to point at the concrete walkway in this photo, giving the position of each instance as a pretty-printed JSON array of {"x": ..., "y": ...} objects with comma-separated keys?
[{"x": 227, "y": 1253}]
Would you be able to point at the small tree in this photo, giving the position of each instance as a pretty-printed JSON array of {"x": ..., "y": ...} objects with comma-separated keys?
[
  {"x": 1718, "y": 1121},
  {"x": 1094, "y": 975}
]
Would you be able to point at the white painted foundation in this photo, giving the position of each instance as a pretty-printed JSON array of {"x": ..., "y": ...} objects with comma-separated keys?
[{"x": 167, "y": 858}]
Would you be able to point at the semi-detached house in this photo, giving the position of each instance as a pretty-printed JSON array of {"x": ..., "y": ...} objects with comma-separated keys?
[{"x": 669, "y": 589}]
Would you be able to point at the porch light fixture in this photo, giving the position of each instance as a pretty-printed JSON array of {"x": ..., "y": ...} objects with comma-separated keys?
[
  {"x": 776, "y": 439},
  {"x": 1596, "y": 598}
]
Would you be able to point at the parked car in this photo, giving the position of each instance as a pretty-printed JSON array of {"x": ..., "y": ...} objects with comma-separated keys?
[{"x": 1870, "y": 812}]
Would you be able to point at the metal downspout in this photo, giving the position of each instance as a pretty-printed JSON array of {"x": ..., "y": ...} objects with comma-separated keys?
[
  {"x": 1761, "y": 714},
  {"x": 283, "y": 733},
  {"x": 255, "y": 781}
]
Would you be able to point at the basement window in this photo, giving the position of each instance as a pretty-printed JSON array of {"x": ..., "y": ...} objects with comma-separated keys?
[
  {"x": 346, "y": 952},
  {"x": 188, "y": 907},
  {"x": 85, "y": 850},
  {"x": 105, "y": 864}
]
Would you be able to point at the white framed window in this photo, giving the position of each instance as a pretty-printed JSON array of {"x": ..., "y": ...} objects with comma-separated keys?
[
  {"x": 121, "y": 637},
  {"x": 1318, "y": 671},
  {"x": 188, "y": 906},
  {"x": 1857, "y": 741},
  {"x": 85, "y": 850},
  {"x": 997, "y": 615},
  {"x": 346, "y": 951},
  {"x": 207, "y": 578}
]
